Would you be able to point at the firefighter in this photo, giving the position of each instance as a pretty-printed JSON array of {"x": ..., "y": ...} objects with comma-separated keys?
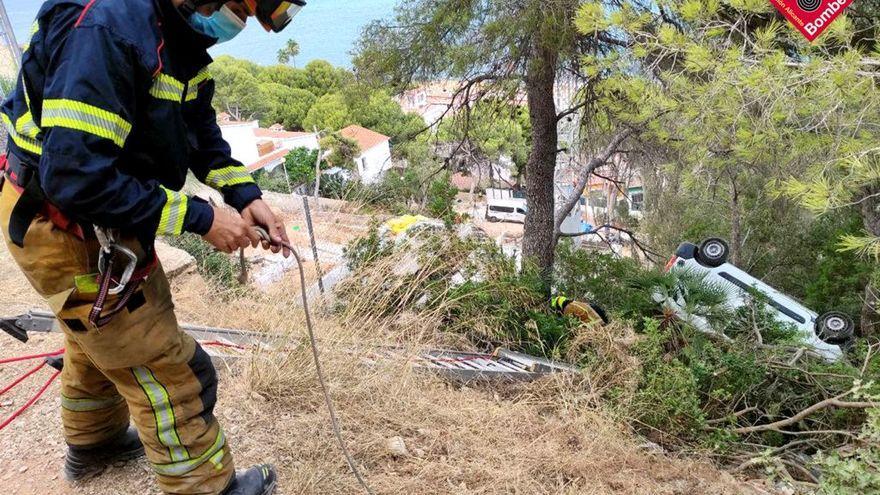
[
  {"x": 588, "y": 313},
  {"x": 111, "y": 110}
]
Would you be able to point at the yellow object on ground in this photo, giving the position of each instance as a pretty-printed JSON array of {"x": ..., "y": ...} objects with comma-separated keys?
[
  {"x": 578, "y": 309},
  {"x": 402, "y": 224},
  {"x": 140, "y": 364}
]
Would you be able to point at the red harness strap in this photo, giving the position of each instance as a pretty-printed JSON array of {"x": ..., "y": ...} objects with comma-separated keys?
[
  {"x": 64, "y": 223},
  {"x": 52, "y": 213}
]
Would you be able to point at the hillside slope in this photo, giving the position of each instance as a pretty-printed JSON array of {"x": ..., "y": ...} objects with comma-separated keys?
[{"x": 527, "y": 439}]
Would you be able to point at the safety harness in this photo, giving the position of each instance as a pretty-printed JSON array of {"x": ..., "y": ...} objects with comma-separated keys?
[
  {"x": 24, "y": 179},
  {"x": 33, "y": 202}
]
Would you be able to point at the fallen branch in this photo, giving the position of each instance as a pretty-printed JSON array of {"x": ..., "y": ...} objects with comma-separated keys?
[{"x": 831, "y": 402}]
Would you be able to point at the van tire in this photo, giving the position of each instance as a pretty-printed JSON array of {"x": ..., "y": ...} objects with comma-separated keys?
[
  {"x": 492, "y": 219},
  {"x": 835, "y": 327},
  {"x": 713, "y": 252}
]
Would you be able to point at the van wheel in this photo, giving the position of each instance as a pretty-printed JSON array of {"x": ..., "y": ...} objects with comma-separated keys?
[
  {"x": 835, "y": 327},
  {"x": 713, "y": 252},
  {"x": 492, "y": 219}
]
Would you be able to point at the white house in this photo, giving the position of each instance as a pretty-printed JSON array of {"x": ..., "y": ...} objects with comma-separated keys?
[
  {"x": 432, "y": 100},
  {"x": 375, "y": 157},
  {"x": 258, "y": 148}
]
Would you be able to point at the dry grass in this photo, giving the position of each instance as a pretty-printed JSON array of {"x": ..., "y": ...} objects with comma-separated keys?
[
  {"x": 542, "y": 438},
  {"x": 537, "y": 438},
  {"x": 415, "y": 292},
  {"x": 545, "y": 437}
]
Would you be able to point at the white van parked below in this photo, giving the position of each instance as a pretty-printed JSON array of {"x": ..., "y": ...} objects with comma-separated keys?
[{"x": 506, "y": 210}]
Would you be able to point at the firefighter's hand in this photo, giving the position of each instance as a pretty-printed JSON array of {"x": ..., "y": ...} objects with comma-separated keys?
[
  {"x": 259, "y": 214},
  {"x": 230, "y": 232}
]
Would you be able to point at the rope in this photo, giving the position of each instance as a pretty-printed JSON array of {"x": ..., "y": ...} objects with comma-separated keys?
[
  {"x": 334, "y": 421},
  {"x": 23, "y": 378},
  {"x": 29, "y": 403},
  {"x": 28, "y": 358},
  {"x": 216, "y": 343}
]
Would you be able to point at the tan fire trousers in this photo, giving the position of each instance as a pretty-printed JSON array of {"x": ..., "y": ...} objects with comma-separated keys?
[{"x": 140, "y": 364}]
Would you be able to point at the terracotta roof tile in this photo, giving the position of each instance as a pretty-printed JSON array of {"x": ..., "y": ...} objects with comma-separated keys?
[
  {"x": 270, "y": 159},
  {"x": 271, "y": 133},
  {"x": 365, "y": 138}
]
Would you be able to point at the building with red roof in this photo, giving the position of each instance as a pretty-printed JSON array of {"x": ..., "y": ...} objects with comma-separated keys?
[
  {"x": 375, "y": 157},
  {"x": 259, "y": 148}
]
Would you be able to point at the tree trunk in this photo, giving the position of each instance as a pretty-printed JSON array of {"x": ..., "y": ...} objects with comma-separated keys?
[
  {"x": 870, "y": 317},
  {"x": 538, "y": 241}
]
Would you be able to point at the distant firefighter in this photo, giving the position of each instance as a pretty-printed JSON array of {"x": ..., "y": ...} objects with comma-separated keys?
[{"x": 586, "y": 312}]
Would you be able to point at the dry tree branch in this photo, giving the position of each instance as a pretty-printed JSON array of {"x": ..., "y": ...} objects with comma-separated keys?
[
  {"x": 594, "y": 163},
  {"x": 651, "y": 255},
  {"x": 830, "y": 402}
]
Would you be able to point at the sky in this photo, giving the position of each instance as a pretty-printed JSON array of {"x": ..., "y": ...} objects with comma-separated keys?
[{"x": 325, "y": 29}]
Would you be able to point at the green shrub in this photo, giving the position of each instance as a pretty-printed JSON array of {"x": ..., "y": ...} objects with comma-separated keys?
[
  {"x": 300, "y": 166},
  {"x": 441, "y": 200},
  {"x": 667, "y": 399},
  {"x": 216, "y": 267},
  {"x": 364, "y": 250},
  {"x": 472, "y": 289},
  {"x": 398, "y": 192},
  {"x": 858, "y": 472},
  {"x": 273, "y": 181},
  {"x": 837, "y": 279}
]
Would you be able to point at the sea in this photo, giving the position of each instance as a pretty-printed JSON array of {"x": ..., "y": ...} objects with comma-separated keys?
[{"x": 325, "y": 30}]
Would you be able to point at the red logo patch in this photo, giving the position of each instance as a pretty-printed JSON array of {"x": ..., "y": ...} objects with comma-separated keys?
[{"x": 811, "y": 17}]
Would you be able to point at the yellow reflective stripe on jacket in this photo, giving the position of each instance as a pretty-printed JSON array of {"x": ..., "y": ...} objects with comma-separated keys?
[
  {"x": 166, "y": 87},
  {"x": 86, "y": 118},
  {"x": 86, "y": 405},
  {"x": 558, "y": 302},
  {"x": 229, "y": 176},
  {"x": 26, "y": 126},
  {"x": 163, "y": 412},
  {"x": 23, "y": 142},
  {"x": 173, "y": 213},
  {"x": 217, "y": 460},
  {"x": 183, "y": 467},
  {"x": 192, "y": 88}
]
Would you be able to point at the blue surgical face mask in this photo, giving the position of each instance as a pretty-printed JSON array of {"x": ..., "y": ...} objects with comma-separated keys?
[{"x": 223, "y": 24}]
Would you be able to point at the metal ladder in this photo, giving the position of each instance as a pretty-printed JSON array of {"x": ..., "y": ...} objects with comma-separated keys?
[{"x": 463, "y": 367}]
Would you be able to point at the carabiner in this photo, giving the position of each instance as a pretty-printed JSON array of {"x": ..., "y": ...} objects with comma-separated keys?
[{"x": 104, "y": 266}]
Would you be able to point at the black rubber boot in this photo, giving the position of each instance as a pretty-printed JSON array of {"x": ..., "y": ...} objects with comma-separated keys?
[
  {"x": 258, "y": 480},
  {"x": 84, "y": 462}
]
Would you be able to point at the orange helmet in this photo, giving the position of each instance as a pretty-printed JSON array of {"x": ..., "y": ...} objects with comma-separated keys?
[{"x": 274, "y": 15}]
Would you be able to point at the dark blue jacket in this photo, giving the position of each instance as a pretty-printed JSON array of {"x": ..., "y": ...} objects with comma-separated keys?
[{"x": 114, "y": 105}]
